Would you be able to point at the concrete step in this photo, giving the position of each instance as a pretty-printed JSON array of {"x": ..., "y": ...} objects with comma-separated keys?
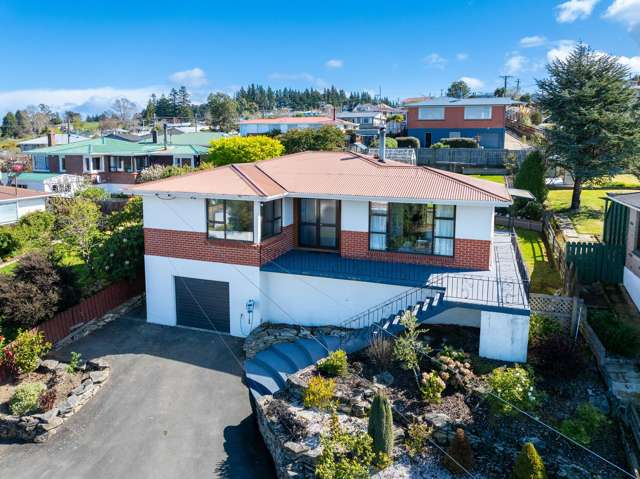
[
  {"x": 258, "y": 375},
  {"x": 316, "y": 349},
  {"x": 279, "y": 376},
  {"x": 331, "y": 342},
  {"x": 296, "y": 353},
  {"x": 280, "y": 365}
]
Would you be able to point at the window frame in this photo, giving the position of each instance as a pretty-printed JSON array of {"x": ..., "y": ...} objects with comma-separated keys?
[
  {"x": 88, "y": 160},
  {"x": 224, "y": 222},
  {"x": 40, "y": 157},
  {"x": 426, "y": 108},
  {"x": 273, "y": 220},
  {"x": 434, "y": 209},
  {"x": 468, "y": 116}
]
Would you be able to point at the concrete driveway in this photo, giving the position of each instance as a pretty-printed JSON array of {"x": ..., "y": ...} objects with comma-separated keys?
[{"x": 174, "y": 407}]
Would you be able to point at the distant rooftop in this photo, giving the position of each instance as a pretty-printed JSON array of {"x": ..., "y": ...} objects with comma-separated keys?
[
  {"x": 449, "y": 101},
  {"x": 61, "y": 138},
  {"x": 298, "y": 120}
]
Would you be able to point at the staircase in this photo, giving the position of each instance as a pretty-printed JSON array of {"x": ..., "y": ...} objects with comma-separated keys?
[{"x": 267, "y": 372}]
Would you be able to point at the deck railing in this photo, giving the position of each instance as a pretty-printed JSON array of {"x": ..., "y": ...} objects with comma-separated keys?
[
  {"x": 478, "y": 290},
  {"x": 522, "y": 266}
]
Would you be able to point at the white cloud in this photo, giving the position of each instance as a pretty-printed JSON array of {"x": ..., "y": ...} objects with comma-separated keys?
[
  {"x": 515, "y": 64},
  {"x": 624, "y": 11},
  {"x": 434, "y": 60},
  {"x": 532, "y": 41},
  {"x": 632, "y": 62},
  {"x": 191, "y": 78},
  {"x": 573, "y": 10},
  {"x": 334, "y": 64},
  {"x": 299, "y": 77},
  {"x": 83, "y": 100},
  {"x": 473, "y": 83},
  {"x": 462, "y": 56},
  {"x": 561, "y": 50}
]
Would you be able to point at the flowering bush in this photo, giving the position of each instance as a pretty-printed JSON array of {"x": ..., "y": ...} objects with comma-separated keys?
[
  {"x": 514, "y": 385},
  {"x": 431, "y": 387},
  {"x": 120, "y": 254}
]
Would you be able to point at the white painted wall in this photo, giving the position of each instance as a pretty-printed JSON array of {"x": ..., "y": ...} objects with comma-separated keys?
[
  {"x": 243, "y": 282},
  {"x": 474, "y": 222},
  {"x": 504, "y": 337},
  {"x": 29, "y": 206},
  {"x": 632, "y": 285},
  {"x": 180, "y": 214},
  {"x": 287, "y": 212},
  {"x": 355, "y": 215},
  {"x": 311, "y": 300}
]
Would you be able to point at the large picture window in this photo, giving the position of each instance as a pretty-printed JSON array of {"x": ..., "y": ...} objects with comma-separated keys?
[
  {"x": 431, "y": 113},
  {"x": 478, "y": 112},
  {"x": 230, "y": 219},
  {"x": 40, "y": 162},
  {"x": 271, "y": 213},
  {"x": 412, "y": 228}
]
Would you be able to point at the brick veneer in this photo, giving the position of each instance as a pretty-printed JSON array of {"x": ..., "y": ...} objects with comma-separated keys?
[
  {"x": 197, "y": 246},
  {"x": 469, "y": 254}
]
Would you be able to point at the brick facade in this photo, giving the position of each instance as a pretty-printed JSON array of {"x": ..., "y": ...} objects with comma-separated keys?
[
  {"x": 469, "y": 254},
  {"x": 454, "y": 118},
  {"x": 276, "y": 246}
]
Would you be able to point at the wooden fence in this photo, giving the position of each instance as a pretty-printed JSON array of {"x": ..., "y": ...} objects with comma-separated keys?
[
  {"x": 458, "y": 158},
  {"x": 596, "y": 261},
  {"x": 523, "y": 223}
]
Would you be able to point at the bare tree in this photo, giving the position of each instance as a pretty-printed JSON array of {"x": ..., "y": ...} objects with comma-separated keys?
[{"x": 124, "y": 109}]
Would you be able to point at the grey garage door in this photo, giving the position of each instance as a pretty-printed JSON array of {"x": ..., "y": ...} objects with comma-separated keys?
[{"x": 195, "y": 297}]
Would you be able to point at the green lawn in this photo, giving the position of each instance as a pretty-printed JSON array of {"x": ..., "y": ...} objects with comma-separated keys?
[
  {"x": 8, "y": 269},
  {"x": 545, "y": 279},
  {"x": 619, "y": 181},
  {"x": 494, "y": 178},
  {"x": 588, "y": 220}
]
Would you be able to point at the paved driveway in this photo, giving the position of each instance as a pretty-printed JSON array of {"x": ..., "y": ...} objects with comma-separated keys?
[{"x": 174, "y": 407}]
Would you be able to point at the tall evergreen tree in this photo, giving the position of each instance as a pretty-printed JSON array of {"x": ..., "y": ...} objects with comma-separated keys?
[
  {"x": 23, "y": 124},
  {"x": 9, "y": 125},
  {"x": 596, "y": 116}
]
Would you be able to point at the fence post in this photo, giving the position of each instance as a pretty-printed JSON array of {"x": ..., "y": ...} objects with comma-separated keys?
[{"x": 575, "y": 313}]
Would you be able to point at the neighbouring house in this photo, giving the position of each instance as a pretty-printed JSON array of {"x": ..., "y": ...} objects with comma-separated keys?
[
  {"x": 364, "y": 119},
  {"x": 261, "y": 126},
  {"x": 17, "y": 202},
  {"x": 318, "y": 238},
  {"x": 49, "y": 139},
  {"x": 113, "y": 164},
  {"x": 56, "y": 183},
  {"x": 481, "y": 118}
]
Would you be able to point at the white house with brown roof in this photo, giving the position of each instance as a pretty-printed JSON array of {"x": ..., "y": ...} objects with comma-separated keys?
[
  {"x": 318, "y": 238},
  {"x": 17, "y": 202},
  {"x": 261, "y": 126}
]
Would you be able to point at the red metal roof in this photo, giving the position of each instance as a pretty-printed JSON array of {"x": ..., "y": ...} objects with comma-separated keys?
[{"x": 331, "y": 174}]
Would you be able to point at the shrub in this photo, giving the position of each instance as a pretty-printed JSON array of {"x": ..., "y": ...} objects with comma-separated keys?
[
  {"x": 335, "y": 364},
  {"x": 587, "y": 424},
  {"x": 455, "y": 354},
  {"x": 325, "y": 138},
  {"x": 47, "y": 400},
  {"x": 74, "y": 362},
  {"x": 381, "y": 425},
  {"x": 536, "y": 117},
  {"x": 559, "y": 356},
  {"x": 532, "y": 210},
  {"x": 460, "y": 142},
  {"x": 294, "y": 424},
  {"x": 8, "y": 242},
  {"x": 416, "y": 438},
  {"x": 408, "y": 348},
  {"x": 319, "y": 393},
  {"x": 439, "y": 145},
  {"x": 431, "y": 387},
  {"x": 617, "y": 336},
  {"x": 93, "y": 193},
  {"x": 344, "y": 455},
  {"x": 542, "y": 327},
  {"x": 459, "y": 454},
  {"x": 36, "y": 228},
  {"x": 408, "y": 142},
  {"x": 119, "y": 254},
  {"x": 25, "y": 398},
  {"x": 380, "y": 351},
  {"x": 243, "y": 149},
  {"x": 529, "y": 464},
  {"x": 514, "y": 385},
  {"x": 131, "y": 213},
  {"x": 531, "y": 176},
  {"x": 24, "y": 353},
  {"x": 388, "y": 142}
]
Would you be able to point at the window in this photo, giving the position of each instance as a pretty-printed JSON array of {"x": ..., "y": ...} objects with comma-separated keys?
[
  {"x": 481, "y": 112},
  {"x": 230, "y": 219},
  {"x": 93, "y": 164},
  {"x": 40, "y": 162},
  {"x": 412, "y": 228},
  {"x": 318, "y": 226},
  {"x": 116, "y": 163},
  {"x": 62, "y": 163},
  {"x": 183, "y": 161},
  {"x": 271, "y": 213},
  {"x": 431, "y": 113},
  {"x": 139, "y": 164}
]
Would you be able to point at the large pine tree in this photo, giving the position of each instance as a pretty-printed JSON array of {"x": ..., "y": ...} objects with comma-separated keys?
[{"x": 595, "y": 113}]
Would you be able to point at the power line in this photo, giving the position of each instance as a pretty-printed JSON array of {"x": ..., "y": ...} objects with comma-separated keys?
[{"x": 505, "y": 78}]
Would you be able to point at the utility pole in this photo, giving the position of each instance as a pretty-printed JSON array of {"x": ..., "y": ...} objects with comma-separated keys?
[
  {"x": 517, "y": 86},
  {"x": 505, "y": 78}
]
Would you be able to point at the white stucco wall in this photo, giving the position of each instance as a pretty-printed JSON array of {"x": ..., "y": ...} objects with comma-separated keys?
[
  {"x": 355, "y": 215},
  {"x": 181, "y": 214},
  {"x": 287, "y": 212},
  {"x": 318, "y": 301},
  {"x": 632, "y": 285},
  {"x": 504, "y": 337},
  {"x": 474, "y": 222},
  {"x": 29, "y": 206},
  {"x": 243, "y": 282}
]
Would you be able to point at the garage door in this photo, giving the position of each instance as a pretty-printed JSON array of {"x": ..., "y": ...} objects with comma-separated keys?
[{"x": 202, "y": 304}]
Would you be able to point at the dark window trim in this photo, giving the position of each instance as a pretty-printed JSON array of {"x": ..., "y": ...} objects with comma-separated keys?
[
  {"x": 273, "y": 219},
  {"x": 224, "y": 213},
  {"x": 318, "y": 224},
  {"x": 433, "y": 206}
]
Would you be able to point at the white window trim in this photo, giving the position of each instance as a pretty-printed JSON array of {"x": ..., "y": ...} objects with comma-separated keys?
[
  {"x": 177, "y": 160},
  {"x": 468, "y": 116},
  {"x": 422, "y": 109},
  {"x": 60, "y": 163},
  {"x": 46, "y": 162},
  {"x": 91, "y": 170}
]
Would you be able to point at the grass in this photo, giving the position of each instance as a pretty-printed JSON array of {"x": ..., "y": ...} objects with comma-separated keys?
[
  {"x": 8, "y": 269},
  {"x": 588, "y": 220},
  {"x": 545, "y": 279},
  {"x": 494, "y": 178},
  {"x": 618, "y": 181}
]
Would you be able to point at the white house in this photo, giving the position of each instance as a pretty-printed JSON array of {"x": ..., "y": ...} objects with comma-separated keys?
[
  {"x": 49, "y": 139},
  {"x": 17, "y": 202},
  {"x": 316, "y": 238}
]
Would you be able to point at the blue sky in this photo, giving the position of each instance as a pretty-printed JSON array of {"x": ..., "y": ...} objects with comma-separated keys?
[{"x": 82, "y": 57}]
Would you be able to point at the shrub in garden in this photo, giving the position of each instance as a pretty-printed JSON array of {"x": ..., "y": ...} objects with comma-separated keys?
[
  {"x": 531, "y": 176},
  {"x": 439, "y": 145},
  {"x": 380, "y": 351},
  {"x": 586, "y": 424},
  {"x": 335, "y": 364},
  {"x": 388, "y": 142},
  {"x": 25, "y": 398},
  {"x": 459, "y": 454},
  {"x": 77, "y": 224},
  {"x": 381, "y": 425},
  {"x": 541, "y": 327},
  {"x": 431, "y": 387},
  {"x": 8, "y": 242},
  {"x": 344, "y": 455},
  {"x": 243, "y": 149},
  {"x": 455, "y": 354},
  {"x": 36, "y": 228},
  {"x": 47, "y": 400},
  {"x": 529, "y": 464},
  {"x": 23, "y": 355},
  {"x": 536, "y": 117},
  {"x": 559, "y": 356},
  {"x": 93, "y": 193},
  {"x": 325, "y": 138},
  {"x": 119, "y": 254},
  {"x": 617, "y": 336},
  {"x": 460, "y": 142},
  {"x": 529, "y": 209},
  {"x": 74, "y": 362},
  {"x": 416, "y": 438},
  {"x": 515, "y": 385},
  {"x": 131, "y": 213},
  {"x": 408, "y": 348},
  {"x": 408, "y": 142},
  {"x": 319, "y": 393}
]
